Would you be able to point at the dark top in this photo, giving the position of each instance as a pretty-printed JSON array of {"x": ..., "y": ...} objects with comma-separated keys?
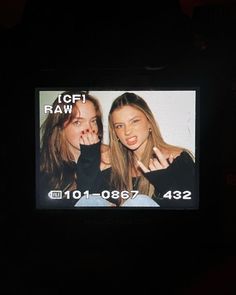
[
  {"x": 58, "y": 199},
  {"x": 175, "y": 186}
]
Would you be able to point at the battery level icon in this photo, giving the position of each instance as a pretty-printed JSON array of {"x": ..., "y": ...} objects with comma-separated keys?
[{"x": 55, "y": 195}]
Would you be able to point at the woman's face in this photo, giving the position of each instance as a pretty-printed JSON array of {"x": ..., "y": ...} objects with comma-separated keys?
[
  {"x": 132, "y": 128},
  {"x": 84, "y": 121}
]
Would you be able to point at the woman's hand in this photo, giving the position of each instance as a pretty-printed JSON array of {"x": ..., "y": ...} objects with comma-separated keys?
[
  {"x": 158, "y": 163},
  {"x": 89, "y": 137}
]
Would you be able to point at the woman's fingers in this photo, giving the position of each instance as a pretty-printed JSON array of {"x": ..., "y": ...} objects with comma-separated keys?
[
  {"x": 156, "y": 163},
  {"x": 84, "y": 138},
  {"x": 88, "y": 137},
  {"x": 171, "y": 159},
  {"x": 81, "y": 141},
  {"x": 161, "y": 158},
  {"x": 151, "y": 165},
  {"x": 143, "y": 167},
  {"x": 95, "y": 137}
]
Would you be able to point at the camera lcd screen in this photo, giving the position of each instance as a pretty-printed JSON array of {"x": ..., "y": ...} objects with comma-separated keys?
[{"x": 116, "y": 149}]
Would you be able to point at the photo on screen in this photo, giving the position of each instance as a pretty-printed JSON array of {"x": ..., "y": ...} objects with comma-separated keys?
[{"x": 124, "y": 148}]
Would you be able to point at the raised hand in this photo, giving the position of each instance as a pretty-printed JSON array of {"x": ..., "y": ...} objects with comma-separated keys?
[
  {"x": 158, "y": 163},
  {"x": 89, "y": 137}
]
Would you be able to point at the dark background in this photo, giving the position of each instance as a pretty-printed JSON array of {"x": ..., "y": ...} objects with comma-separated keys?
[{"x": 175, "y": 44}]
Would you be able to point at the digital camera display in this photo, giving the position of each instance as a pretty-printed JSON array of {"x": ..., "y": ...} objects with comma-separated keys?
[{"x": 117, "y": 148}]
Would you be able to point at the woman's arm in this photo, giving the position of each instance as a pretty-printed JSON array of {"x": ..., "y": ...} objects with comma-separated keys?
[
  {"x": 89, "y": 175},
  {"x": 88, "y": 167}
]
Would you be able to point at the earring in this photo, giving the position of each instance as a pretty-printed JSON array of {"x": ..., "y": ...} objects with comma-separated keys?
[{"x": 150, "y": 130}]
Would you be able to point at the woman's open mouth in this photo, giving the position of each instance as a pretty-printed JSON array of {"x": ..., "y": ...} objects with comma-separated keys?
[{"x": 132, "y": 140}]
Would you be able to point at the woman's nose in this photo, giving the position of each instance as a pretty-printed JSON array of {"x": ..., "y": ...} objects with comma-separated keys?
[
  {"x": 87, "y": 127},
  {"x": 128, "y": 130}
]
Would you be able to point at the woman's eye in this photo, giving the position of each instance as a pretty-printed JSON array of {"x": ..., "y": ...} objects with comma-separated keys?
[
  {"x": 118, "y": 126},
  {"x": 77, "y": 123},
  {"x": 94, "y": 121},
  {"x": 136, "y": 121}
]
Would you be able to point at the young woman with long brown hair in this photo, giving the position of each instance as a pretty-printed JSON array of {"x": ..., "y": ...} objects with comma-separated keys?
[
  {"x": 63, "y": 135},
  {"x": 142, "y": 162}
]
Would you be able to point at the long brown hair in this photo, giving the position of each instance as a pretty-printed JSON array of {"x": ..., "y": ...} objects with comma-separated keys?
[
  {"x": 123, "y": 160},
  {"x": 56, "y": 159}
]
